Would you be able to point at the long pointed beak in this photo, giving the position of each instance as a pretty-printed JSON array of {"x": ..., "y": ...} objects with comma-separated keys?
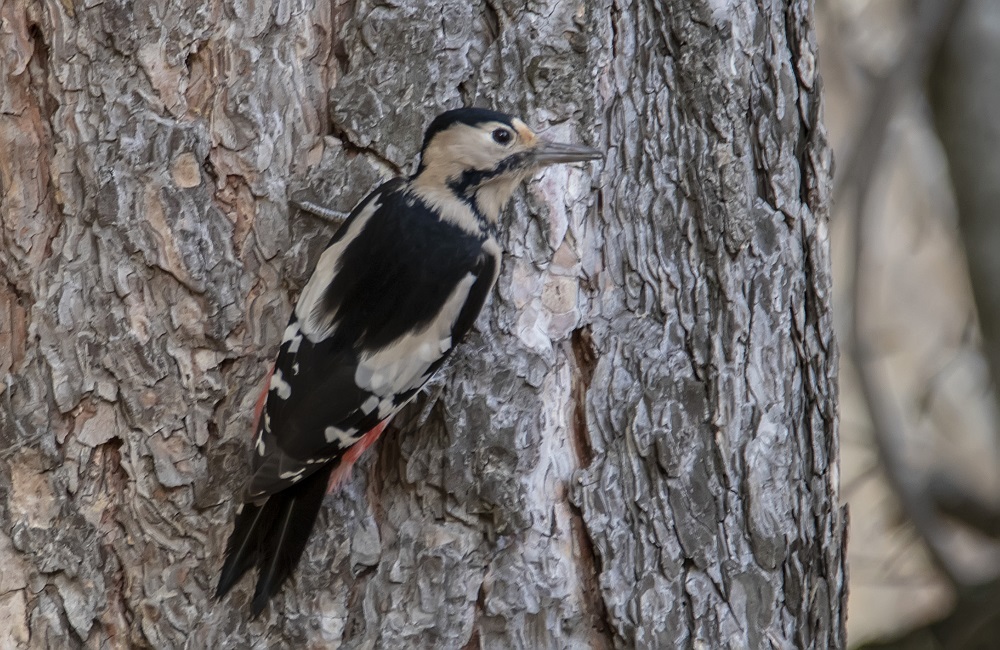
[{"x": 550, "y": 153}]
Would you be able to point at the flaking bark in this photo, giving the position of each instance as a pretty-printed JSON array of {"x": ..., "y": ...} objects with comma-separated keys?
[{"x": 636, "y": 448}]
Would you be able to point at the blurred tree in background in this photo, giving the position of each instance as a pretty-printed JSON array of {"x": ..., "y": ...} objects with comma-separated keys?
[{"x": 914, "y": 111}]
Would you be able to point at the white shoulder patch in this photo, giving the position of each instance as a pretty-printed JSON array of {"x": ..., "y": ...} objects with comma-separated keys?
[{"x": 315, "y": 324}]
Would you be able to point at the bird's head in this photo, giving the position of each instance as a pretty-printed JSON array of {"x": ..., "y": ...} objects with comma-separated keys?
[{"x": 480, "y": 157}]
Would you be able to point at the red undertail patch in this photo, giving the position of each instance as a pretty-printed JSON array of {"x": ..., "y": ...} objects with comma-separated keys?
[
  {"x": 258, "y": 408},
  {"x": 342, "y": 472}
]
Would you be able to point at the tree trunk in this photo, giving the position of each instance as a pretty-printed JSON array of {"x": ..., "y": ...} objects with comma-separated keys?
[{"x": 637, "y": 446}]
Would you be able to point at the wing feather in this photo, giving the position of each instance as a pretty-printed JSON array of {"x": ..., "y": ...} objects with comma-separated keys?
[{"x": 392, "y": 295}]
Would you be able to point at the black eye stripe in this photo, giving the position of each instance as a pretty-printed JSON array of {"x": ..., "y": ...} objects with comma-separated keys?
[
  {"x": 502, "y": 136},
  {"x": 472, "y": 178}
]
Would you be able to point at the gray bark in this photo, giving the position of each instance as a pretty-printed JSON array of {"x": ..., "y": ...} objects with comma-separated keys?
[{"x": 636, "y": 448}]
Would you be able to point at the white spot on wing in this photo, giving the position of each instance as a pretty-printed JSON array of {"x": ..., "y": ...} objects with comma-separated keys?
[
  {"x": 260, "y": 443},
  {"x": 296, "y": 475},
  {"x": 280, "y": 386},
  {"x": 385, "y": 407},
  {"x": 344, "y": 438},
  {"x": 292, "y": 335},
  {"x": 370, "y": 404}
]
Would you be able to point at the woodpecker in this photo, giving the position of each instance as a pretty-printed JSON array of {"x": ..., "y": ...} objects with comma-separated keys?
[{"x": 397, "y": 288}]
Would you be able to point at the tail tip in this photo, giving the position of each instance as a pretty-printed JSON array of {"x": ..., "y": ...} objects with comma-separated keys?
[{"x": 259, "y": 604}]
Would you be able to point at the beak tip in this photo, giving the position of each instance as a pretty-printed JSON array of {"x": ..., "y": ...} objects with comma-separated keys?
[{"x": 551, "y": 153}]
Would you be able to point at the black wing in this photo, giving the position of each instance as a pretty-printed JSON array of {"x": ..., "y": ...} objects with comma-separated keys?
[
  {"x": 402, "y": 289},
  {"x": 394, "y": 292}
]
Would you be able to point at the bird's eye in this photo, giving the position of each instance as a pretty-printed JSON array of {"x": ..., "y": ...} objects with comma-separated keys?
[{"x": 502, "y": 136}]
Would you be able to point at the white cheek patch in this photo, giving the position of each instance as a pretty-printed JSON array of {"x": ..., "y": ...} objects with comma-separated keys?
[
  {"x": 401, "y": 365},
  {"x": 280, "y": 386}
]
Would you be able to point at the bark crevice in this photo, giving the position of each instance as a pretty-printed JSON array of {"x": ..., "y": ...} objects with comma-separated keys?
[
  {"x": 588, "y": 564},
  {"x": 352, "y": 148},
  {"x": 584, "y": 359}
]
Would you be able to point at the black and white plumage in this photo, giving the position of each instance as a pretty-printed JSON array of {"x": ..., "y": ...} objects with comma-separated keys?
[{"x": 397, "y": 288}]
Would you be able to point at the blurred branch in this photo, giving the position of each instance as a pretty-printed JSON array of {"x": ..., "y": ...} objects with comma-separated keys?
[
  {"x": 974, "y": 620},
  {"x": 888, "y": 432},
  {"x": 911, "y": 69},
  {"x": 931, "y": 23},
  {"x": 965, "y": 92},
  {"x": 955, "y": 500},
  {"x": 974, "y": 624}
]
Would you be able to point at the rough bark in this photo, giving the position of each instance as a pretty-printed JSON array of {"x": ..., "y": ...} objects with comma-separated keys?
[{"x": 636, "y": 448}]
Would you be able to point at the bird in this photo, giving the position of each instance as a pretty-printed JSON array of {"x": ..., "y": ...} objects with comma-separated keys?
[{"x": 397, "y": 288}]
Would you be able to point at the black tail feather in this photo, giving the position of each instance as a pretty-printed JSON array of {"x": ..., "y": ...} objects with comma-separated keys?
[
  {"x": 243, "y": 549},
  {"x": 273, "y": 537}
]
